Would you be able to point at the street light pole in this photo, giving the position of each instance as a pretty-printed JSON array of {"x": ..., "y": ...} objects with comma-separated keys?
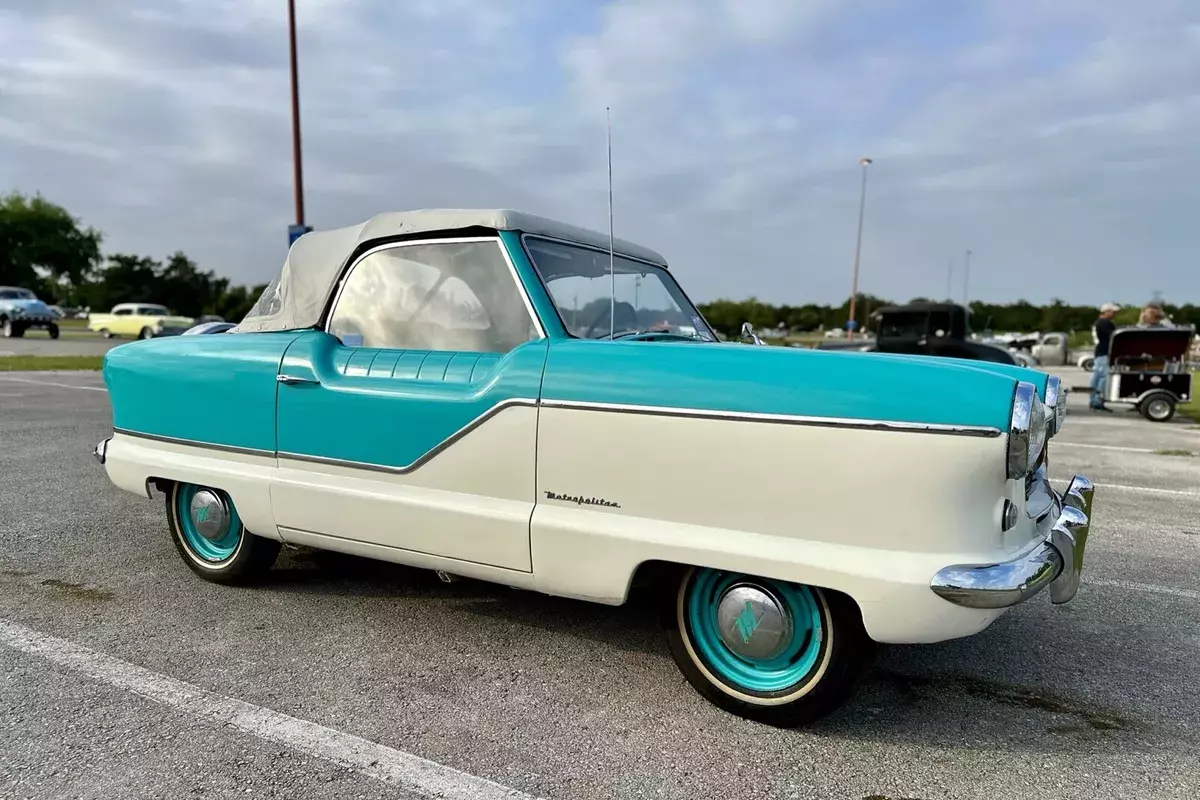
[
  {"x": 297, "y": 173},
  {"x": 966, "y": 279},
  {"x": 863, "y": 162},
  {"x": 949, "y": 279}
]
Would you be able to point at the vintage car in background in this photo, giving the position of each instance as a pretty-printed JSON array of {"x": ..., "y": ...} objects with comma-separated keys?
[
  {"x": 408, "y": 389},
  {"x": 143, "y": 320},
  {"x": 1148, "y": 368},
  {"x": 926, "y": 329},
  {"x": 21, "y": 310}
]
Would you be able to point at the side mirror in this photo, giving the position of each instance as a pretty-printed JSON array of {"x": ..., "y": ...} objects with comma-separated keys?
[{"x": 748, "y": 333}]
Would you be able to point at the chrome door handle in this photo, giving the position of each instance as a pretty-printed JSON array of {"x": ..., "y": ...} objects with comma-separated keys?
[{"x": 292, "y": 380}]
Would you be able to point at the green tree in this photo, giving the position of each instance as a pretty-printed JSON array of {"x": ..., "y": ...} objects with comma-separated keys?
[{"x": 39, "y": 239}]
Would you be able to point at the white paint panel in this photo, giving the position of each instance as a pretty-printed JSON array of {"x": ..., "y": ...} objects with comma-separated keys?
[
  {"x": 871, "y": 513},
  {"x": 133, "y": 460},
  {"x": 471, "y": 502}
]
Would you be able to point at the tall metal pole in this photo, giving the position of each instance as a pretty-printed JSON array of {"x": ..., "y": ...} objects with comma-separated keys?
[
  {"x": 949, "y": 278},
  {"x": 966, "y": 280},
  {"x": 862, "y": 202},
  {"x": 297, "y": 172}
]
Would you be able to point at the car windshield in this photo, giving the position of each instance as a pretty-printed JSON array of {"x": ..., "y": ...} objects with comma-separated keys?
[
  {"x": 646, "y": 297},
  {"x": 17, "y": 294}
]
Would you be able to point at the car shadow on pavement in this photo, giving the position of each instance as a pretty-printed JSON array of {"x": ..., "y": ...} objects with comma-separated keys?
[
  {"x": 942, "y": 695},
  {"x": 632, "y": 627}
]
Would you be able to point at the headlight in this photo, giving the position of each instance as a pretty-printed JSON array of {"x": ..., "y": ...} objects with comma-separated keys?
[{"x": 1026, "y": 430}]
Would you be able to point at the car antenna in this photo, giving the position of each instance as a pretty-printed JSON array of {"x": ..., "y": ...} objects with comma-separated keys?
[{"x": 612, "y": 275}]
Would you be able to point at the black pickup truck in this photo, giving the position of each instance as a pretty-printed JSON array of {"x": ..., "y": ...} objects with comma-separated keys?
[{"x": 931, "y": 329}]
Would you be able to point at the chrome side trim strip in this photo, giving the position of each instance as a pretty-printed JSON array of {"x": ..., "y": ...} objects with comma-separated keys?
[
  {"x": 527, "y": 402},
  {"x": 226, "y": 448},
  {"x": 783, "y": 419}
]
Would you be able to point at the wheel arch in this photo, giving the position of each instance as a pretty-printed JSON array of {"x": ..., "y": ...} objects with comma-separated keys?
[{"x": 658, "y": 576}]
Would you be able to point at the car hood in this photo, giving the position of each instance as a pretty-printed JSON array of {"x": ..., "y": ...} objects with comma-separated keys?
[
  {"x": 740, "y": 378},
  {"x": 1034, "y": 376},
  {"x": 176, "y": 322},
  {"x": 28, "y": 306}
]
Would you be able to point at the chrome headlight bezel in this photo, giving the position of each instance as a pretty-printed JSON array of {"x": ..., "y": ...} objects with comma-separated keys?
[
  {"x": 1056, "y": 405},
  {"x": 1027, "y": 429}
]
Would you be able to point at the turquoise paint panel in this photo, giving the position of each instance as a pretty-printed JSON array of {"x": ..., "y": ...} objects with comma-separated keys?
[
  {"x": 218, "y": 388},
  {"x": 1034, "y": 376},
  {"x": 777, "y": 380},
  {"x": 394, "y": 419},
  {"x": 539, "y": 298}
]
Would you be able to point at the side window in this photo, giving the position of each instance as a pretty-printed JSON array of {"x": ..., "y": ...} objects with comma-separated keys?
[
  {"x": 433, "y": 296},
  {"x": 121, "y": 312}
]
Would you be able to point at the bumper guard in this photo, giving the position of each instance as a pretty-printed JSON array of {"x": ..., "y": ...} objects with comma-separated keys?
[
  {"x": 1057, "y": 562},
  {"x": 100, "y": 451}
]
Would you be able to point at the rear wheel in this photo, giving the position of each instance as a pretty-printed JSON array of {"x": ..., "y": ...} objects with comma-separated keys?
[
  {"x": 1158, "y": 407},
  {"x": 106, "y": 333},
  {"x": 210, "y": 536},
  {"x": 771, "y": 651},
  {"x": 1087, "y": 364},
  {"x": 146, "y": 333}
]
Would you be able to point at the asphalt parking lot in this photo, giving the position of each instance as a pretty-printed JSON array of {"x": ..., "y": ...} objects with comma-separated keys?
[
  {"x": 122, "y": 674},
  {"x": 71, "y": 342}
]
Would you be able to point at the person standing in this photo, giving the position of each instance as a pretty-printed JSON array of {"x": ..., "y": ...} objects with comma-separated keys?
[{"x": 1102, "y": 332}]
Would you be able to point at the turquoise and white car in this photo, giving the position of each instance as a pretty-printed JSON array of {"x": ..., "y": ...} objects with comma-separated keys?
[{"x": 496, "y": 396}]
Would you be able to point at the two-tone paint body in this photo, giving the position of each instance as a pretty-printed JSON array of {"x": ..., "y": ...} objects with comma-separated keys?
[{"x": 566, "y": 465}]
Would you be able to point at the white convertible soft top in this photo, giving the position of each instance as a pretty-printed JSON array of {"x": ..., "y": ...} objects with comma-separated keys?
[{"x": 297, "y": 296}]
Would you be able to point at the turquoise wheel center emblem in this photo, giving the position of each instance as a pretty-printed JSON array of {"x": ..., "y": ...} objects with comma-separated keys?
[
  {"x": 746, "y": 623},
  {"x": 753, "y": 623}
]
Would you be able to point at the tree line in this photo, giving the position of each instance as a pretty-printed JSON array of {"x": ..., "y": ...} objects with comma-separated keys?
[
  {"x": 44, "y": 248},
  {"x": 727, "y": 316}
]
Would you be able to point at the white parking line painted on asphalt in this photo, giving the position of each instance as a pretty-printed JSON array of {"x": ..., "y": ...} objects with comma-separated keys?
[
  {"x": 1189, "y": 594},
  {"x": 52, "y": 383},
  {"x": 1104, "y": 447},
  {"x": 394, "y": 767},
  {"x": 1126, "y": 487}
]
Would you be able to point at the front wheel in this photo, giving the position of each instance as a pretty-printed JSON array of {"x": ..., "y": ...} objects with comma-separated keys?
[
  {"x": 7, "y": 328},
  {"x": 210, "y": 536},
  {"x": 53, "y": 331},
  {"x": 771, "y": 651},
  {"x": 1158, "y": 407},
  {"x": 146, "y": 333}
]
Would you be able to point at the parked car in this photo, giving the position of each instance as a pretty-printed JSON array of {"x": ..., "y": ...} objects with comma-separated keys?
[
  {"x": 143, "y": 320},
  {"x": 927, "y": 329},
  {"x": 407, "y": 390},
  {"x": 21, "y": 310}
]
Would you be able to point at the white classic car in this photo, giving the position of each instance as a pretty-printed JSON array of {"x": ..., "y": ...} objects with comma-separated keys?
[{"x": 499, "y": 396}]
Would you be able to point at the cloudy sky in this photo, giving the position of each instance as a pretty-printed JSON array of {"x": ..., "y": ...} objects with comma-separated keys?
[{"x": 1059, "y": 140}]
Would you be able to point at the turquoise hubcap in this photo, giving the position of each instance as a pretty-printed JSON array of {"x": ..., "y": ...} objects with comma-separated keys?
[
  {"x": 757, "y": 635},
  {"x": 209, "y": 522}
]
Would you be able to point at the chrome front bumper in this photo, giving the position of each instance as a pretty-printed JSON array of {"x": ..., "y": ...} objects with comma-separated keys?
[{"x": 1057, "y": 562}]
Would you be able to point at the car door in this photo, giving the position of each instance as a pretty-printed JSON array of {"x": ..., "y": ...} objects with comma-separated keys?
[
  {"x": 122, "y": 322},
  {"x": 410, "y": 422}
]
